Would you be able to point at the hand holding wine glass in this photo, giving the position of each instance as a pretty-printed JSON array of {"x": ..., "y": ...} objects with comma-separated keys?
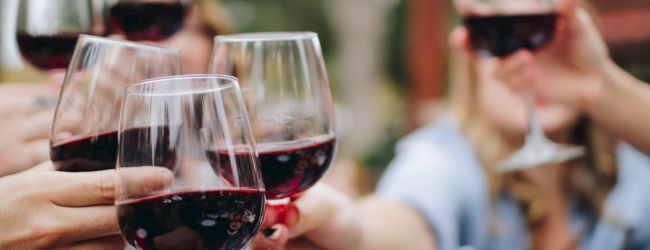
[
  {"x": 501, "y": 28},
  {"x": 285, "y": 86},
  {"x": 568, "y": 70},
  {"x": 47, "y": 209},
  {"x": 84, "y": 133},
  {"x": 26, "y": 111},
  {"x": 215, "y": 200}
]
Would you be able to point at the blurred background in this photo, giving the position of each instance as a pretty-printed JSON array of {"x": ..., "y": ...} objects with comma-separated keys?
[{"x": 387, "y": 62}]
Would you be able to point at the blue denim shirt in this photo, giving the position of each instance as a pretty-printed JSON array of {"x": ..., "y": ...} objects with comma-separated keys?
[{"x": 437, "y": 172}]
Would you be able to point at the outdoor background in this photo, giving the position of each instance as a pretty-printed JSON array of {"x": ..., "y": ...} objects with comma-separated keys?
[{"x": 387, "y": 62}]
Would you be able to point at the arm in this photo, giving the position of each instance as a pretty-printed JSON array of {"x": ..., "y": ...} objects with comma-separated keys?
[
  {"x": 431, "y": 196},
  {"x": 330, "y": 220},
  {"x": 576, "y": 70},
  {"x": 621, "y": 105}
]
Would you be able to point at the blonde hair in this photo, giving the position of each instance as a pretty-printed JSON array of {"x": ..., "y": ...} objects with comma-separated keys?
[
  {"x": 214, "y": 17},
  {"x": 589, "y": 180}
]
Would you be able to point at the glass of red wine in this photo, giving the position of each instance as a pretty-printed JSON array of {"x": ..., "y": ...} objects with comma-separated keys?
[
  {"x": 500, "y": 28},
  {"x": 47, "y": 32},
  {"x": 148, "y": 20},
  {"x": 195, "y": 126},
  {"x": 286, "y": 89},
  {"x": 84, "y": 132}
]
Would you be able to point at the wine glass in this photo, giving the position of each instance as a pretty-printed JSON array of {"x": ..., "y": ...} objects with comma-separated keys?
[
  {"x": 196, "y": 126},
  {"x": 148, "y": 20},
  {"x": 501, "y": 27},
  {"x": 47, "y": 31},
  {"x": 84, "y": 133},
  {"x": 286, "y": 91}
]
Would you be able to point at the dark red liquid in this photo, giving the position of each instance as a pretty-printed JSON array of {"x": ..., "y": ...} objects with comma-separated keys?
[
  {"x": 148, "y": 146},
  {"x": 287, "y": 169},
  {"x": 504, "y": 34},
  {"x": 92, "y": 153},
  {"x": 217, "y": 219},
  {"x": 47, "y": 52},
  {"x": 99, "y": 152},
  {"x": 147, "y": 20}
]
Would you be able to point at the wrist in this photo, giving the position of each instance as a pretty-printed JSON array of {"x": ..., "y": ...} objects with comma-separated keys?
[{"x": 606, "y": 86}]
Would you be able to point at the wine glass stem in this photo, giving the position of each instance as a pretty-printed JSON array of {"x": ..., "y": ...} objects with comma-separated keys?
[{"x": 535, "y": 132}]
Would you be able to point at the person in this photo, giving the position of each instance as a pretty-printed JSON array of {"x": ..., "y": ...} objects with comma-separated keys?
[
  {"x": 610, "y": 96},
  {"x": 442, "y": 190},
  {"x": 26, "y": 113},
  {"x": 27, "y": 109},
  {"x": 202, "y": 21},
  {"x": 47, "y": 209}
]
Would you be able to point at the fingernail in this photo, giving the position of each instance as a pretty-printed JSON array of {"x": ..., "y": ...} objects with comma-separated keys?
[{"x": 273, "y": 233}]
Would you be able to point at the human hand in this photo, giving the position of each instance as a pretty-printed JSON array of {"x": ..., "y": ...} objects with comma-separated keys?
[
  {"x": 321, "y": 218},
  {"x": 571, "y": 70},
  {"x": 43, "y": 208},
  {"x": 26, "y": 112}
]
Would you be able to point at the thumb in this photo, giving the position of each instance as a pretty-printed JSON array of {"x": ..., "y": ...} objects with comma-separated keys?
[
  {"x": 327, "y": 218},
  {"x": 566, "y": 7},
  {"x": 99, "y": 188}
]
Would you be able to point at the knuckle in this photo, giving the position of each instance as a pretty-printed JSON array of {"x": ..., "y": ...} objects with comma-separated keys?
[
  {"x": 106, "y": 187},
  {"x": 44, "y": 235}
]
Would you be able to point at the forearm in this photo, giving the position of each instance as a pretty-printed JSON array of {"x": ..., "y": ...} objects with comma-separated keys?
[
  {"x": 392, "y": 225},
  {"x": 332, "y": 221},
  {"x": 621, "y": 104}
]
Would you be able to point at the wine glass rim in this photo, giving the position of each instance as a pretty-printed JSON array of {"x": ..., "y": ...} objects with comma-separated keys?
[
  {"x": 266, "y": 36},
  {"x": 128, "y": 43},
  {"x": 222, "y": 82}
]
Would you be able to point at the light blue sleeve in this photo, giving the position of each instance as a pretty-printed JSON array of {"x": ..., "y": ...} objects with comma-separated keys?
[
  {"x": 625, "y": 222},
  {"x": 437, "y": 173},
  {"x": 631, "y": 197}
]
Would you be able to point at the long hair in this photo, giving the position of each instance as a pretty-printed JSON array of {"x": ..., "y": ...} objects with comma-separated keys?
[{"x": 589, "y": 180}]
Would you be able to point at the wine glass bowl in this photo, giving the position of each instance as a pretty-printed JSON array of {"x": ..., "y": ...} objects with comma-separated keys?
[
  {"x": 499, "y": 28},
  {"x": 47, "y": 33},
  {"x": 175, "y": 123},
  {"x": 286, "y": 90},
  {"x": 84, "y": 131},
  {"x": 147, "y": 20}
]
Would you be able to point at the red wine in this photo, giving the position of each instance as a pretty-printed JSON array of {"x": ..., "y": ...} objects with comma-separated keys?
[
  {"x": 92, "y": 153},
  {"x": 47, "y": 52},
  {"x": 149, "y": 146},
  {"x": 147, "y": 20},
  {"x": 216, "y": 219},
  {"x": 288, "y": 169},
  {"x": 503, "y": 35},
  {"x": 99, "y": 152}
]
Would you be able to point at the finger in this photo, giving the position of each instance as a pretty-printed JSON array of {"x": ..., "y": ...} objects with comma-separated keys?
[
  {"x": 566, "y": 7},
  {"x": 85, "y": 223},
  {"x": 23, "y": 157},
  {"x": 459, "y": 39},
  {"x": 472, "y": 7},
  {"x": 286, "y": 214},
  {"x": 513, "y": 64},
  {"x": 316, "y": 208},
  {"x": 272, "y": 237},
  {"x": 37, "y": 125},
  {"x": 326, "y": 214},
  {"x": 43, "y": 166},
  {"x": 26, "y": 127},
  {"x": 105, "y": 243},
  {"x": 98, "y": 188},
  {"x": 137, "y": 182}
]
